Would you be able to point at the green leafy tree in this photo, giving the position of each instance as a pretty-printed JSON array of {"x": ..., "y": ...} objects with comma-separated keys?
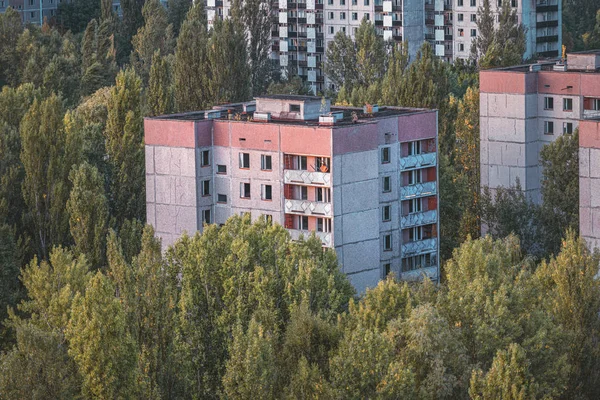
[
  {"x": 293, "y": 85},
  {"x": 75, "y": 15},
  {"x": 98, "y": 66},
  {"x": 256, "y": 17},
  {"x": 88, "y": 213},
  {"x": 47, "y": 154},
  {"x": 227, "y": 46},
  {"x": 99, "y": 342},
  {"x": 155, "y": 34},
  {"x": 177, "y": 10},
  {"x": 191, "y": 63},
  {"x": 340, "y": 61},
  {"x": 10, "y": 287},
  {"x": 125, "y": 148},
  {"x": 10, "y": 30},
  {"x": 508, "y": 377},
  {"x": 560, "y": 189},
  {"x": 370, "y": 54},
  {"x": 160, "y": 86}
]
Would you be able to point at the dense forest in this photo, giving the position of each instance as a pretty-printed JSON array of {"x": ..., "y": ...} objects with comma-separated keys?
[{"x": 91, "y": 308}]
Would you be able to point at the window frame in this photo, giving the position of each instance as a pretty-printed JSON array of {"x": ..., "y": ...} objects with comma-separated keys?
[
  {"x": 243, "y": 191},
  {"x": 266, "y": 162},
  {"x": 386, "y": 180},
  {"x": 386, "y": 155}
]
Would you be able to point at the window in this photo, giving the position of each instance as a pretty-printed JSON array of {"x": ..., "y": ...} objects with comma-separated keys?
[
  {"x": 268, "y": 218},
  {"x": 461, "y": 47},
  {"x": 323, "y": 225},
  {"x": 354, "y": 16},
  {"x": 414, "y": 177},
  {"x": 460, "y": 3},
  {"x": 206, "y": 216},
  {"x": 342, "y": 2},
  {"x": 331, "y": 29},
  {"x": 221, "y": 169},
  {"x": 415, "y": 234},
  {"x": 548, "y": 127},
  {"x": 461, "y": 17},
  {"x": 461, "y": 32},
  {"x": 206, "y": 187},
  {"x": 366, "y": 2},
  {"x": 387, "y": 184},
  {"x": 473, "y": 32},
  {"x": 548, "y": 103},
  {"x": 323, "y": 195},
  {"x": 322, "y": 164},
  {"x": 205, "y": 158},
  {"x": 386, "y": 269},
  {"x": 367, "y": 16},
  {"x": 386, "y": 213},
  {"x": 32, "y": 14},
  {"x": 330, "y": 15},
  {"x": 221, "y": 198},
  {"x": 567, "y": 104},
  {"x": 387, "y": 242},
  {"x": 303, "y": 223},
  {"x": 303, "y": 193},
  {"x": 342, "y": 16},
  {"x": 567, "y": 127},
  {"x": 385, "y": 155},
  {"x": 330, "y": 2},
  {"x": 245, "y": 160},
  {"x": 473, "y": 17},
  {"x": 354, "y": 2},
  {"x": 266, "y": 192},
  {"x": 414, "y": 148},
  {"x": 414, "y": 205},
  {"x": 473, "y": 3},
  {"x": 265, "y": 162},
  {"x": 514, "y": 3},
  {"x": 344, "y": 29},
  {"x": 245, "y": 190},
  {"x": 294, "y": 107}
]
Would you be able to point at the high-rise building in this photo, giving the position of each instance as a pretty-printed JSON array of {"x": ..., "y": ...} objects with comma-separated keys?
[
  {"x": 364, "y": 180},
  {"x": 542, "y": 20},
  {"x": 525, "y": 107},
  {"x": 36, "y": 11}
]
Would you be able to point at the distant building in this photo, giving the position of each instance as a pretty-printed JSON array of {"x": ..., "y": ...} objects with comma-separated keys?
[
  {"x": 36, "y": 11},
  {"x": 542, "y": 20},
  {"x": 365, "y": 180}
]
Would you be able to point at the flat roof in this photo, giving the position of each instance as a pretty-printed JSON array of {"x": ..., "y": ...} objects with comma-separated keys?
[
  {"x": 239, "y": 115},
  {"x": 296, "y": 97}
]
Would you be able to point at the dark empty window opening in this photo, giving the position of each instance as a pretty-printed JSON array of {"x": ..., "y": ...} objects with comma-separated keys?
[{"x": 294, "y": 107}]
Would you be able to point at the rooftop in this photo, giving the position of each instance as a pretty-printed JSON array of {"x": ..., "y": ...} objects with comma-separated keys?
[
  {"x": 580, "y": 61},
  {"x": 293, "y": 97}
]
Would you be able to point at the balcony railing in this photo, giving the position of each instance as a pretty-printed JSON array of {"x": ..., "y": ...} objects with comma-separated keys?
[
  {"x": 296, "y": 177},
  {"x": 418, "y": 190},
  {"x": 591, "y": 114},
  {"x": 419, "y": 247},
  {"x": 421, "y": 218},
  {"x": 306, "y": 207},
  {"x": 326, "y": 237},
  {"x": 418, "y": 161}
]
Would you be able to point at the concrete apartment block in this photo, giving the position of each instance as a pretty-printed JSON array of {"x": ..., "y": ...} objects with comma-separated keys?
[
  {"x": 589, "y": 181},
  {"x": 523, "y": 108},
  {"x": 542, "y": 20},
  {"x": 36, "y": 11},
  {"x": 365, "y": 181}
]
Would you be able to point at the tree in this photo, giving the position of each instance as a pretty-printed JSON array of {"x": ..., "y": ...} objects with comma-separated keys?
[
  {"x": 131, "y": 22},
  {"x": 155, "y": 34},
  {"x": 293, "y": 85},
  {"x": 340, "y": 61},
  {"x": 560, "y": 189},
  {"x": 74, "y": 16},
  {"x": 10, "y": 29},
  {"x": 370, "y": 54},
  {"x": 100, "y": 344},
  {"x": 251, "y": 365},
  {"x": 98, "y": 66},
  {"x": 177, "y": 10},
  {"x": 47, "y": 155},
  {"x": 227, "y": 46},
  {"x": 467, "y": 157},
  {"x": 485, "y": 31},
  {"x": 256, "y": 17},
  {"x": 88, "y": 213},
  {"x": 10, "y": 287},
  {"x": 125, "y": 148},
  {"x": 191, "y": 63},
  {"x": 160, "y": 86},
  {"x": 508, "y": 378},
  {"x": 38, "y": 366}
]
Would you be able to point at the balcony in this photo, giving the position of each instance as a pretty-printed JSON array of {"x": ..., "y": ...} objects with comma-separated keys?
[
  {"x": 421, "y": 218},
  {"x": 419, "y": 247},
  {"x": 546, "y": 24},
  {"x": 591, "y": 114},
  {"x": 326, "y": 237},
  {"x": 545, "y": 39},
  {"x": 418, "y": 190},
  {"x": 305, "y": 207},
  {"x": 418, "y": 161},
  {"x": 297, "y": 177}
]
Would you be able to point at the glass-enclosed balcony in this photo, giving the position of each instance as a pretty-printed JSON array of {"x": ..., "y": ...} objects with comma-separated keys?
[
  {"x": 326, "y": 237},
  {"x": 418, "y": 190},
  {"x": 419, "y": 247},
  {"x": 306, "y": 207},
  {"x": 419, "y": 218},
  {"x": 418, "y": 161},
  {"x": 299, "y": 177}
]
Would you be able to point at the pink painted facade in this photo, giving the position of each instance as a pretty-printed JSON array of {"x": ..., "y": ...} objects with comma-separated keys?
[{"x": 367, "y": 189}]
